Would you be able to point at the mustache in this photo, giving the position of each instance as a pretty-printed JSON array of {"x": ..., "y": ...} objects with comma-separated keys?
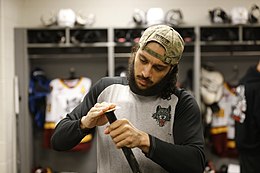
[{"x": 147, "y": 79}]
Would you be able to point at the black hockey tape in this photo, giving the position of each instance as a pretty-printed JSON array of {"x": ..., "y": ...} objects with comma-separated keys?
[{"x": 127, "y": 151}]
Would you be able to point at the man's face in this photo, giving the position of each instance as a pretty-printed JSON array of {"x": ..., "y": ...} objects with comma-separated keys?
[{"x": 148, "y": 69}]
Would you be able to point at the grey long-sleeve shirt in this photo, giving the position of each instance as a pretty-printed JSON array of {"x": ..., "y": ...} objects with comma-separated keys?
[{"x": 174, "y": 127}]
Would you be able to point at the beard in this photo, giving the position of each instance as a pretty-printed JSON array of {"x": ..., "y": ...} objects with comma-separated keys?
[{"x": 154, "y": 90}]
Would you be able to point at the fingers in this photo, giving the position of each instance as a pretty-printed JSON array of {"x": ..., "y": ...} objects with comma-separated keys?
[
  {"x": 118, "y": 127},
  {"x": 103, "y": 107},
  {"x": 123, "y": 133},
  {"x": 96, "y": 116}
]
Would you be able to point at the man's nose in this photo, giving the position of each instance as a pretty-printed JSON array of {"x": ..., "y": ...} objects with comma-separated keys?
[{"x": 147, "y": 71}]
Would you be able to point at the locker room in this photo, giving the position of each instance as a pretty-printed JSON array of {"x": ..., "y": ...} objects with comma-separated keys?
[{"x": 54, "y": 52}]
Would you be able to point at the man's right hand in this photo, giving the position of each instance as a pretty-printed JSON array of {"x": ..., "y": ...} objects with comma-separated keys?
[{"x": 96, "y": 116}]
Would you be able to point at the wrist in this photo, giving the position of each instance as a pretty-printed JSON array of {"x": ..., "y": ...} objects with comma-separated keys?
[
  {"x": 82, "y": 126},
  {"x": 145, "y": 143}
]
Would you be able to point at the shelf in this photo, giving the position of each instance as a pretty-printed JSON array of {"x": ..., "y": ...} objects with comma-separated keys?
[
  {"x": 67, "y": 50},
  {"x": 43, "y": 35},
  {"x": 230, "y": 54},
  {"x": 219, "y": 34},
  {"x": 251, "y": 33},
  {"x": 242, "y": 43},
  {"x": 126, "y": 44},
  {"x": 88, "y": 35},
  {"x": 64, "y": 45},
  {"x": 122, "y": 55},
  {"x": 230, "y": 33},
  {"x": 127, "y": 35},
  {"x": 67, "y": 56}
]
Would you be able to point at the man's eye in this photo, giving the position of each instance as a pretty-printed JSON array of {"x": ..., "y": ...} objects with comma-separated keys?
[
  {"x": 158, "y": 68},
  {"x": 143, "y": 60}
]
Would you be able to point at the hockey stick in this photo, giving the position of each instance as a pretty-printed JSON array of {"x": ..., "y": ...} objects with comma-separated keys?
[{"x": 127, "y": 151}]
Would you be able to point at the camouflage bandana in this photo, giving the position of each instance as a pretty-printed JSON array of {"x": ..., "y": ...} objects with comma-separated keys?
[{"x": 168, "y": 38}]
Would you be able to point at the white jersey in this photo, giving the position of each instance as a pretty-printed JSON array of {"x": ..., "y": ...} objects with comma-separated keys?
[
  {"x": 64, "y": 97},
  {"x": 223, "y": 118},
  {"x": 223, "y": 125}
]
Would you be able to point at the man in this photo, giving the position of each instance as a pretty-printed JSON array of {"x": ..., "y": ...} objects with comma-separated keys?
[
  {"x": 247, "y": 134},
  {"x": 160, "y": 123}
]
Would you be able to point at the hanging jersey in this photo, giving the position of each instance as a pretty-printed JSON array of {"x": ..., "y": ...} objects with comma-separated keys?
[
  {"x": 65, "y": 95},
  {"x": 38, "y": 91},
  {"x": 222, "y": 126}
]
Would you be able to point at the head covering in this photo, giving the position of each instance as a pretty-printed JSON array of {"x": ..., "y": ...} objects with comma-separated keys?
[{"x": 168, "y": 38}]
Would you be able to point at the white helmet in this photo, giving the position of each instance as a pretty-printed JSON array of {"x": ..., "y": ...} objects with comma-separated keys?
[
  {"x": 154, "y": 16},
  {"x": 174, "y": 17},
  {"x": 66, "y": 18},
  {"x": 254, "y": 14},
  {"x": 139, "y": 17},
  {"x": 239, "y": 15}
]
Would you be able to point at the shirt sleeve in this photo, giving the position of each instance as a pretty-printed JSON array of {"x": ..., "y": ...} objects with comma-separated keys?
[
  {"x": 187, "y": 152},
  {"x": 67, "y": 132}
]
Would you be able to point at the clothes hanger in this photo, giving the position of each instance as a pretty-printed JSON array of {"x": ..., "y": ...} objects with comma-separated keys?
[
  {"x": 234, "y": 79},
  {"x": 72, "y": 73},
  {"x": 72, "y": 80},
  {"x": 210, "y": 66}
]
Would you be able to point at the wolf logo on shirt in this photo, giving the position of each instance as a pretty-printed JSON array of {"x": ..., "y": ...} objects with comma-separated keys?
[{"x": 162, "y": 115}]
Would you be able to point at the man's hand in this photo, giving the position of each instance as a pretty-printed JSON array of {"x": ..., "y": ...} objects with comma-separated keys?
[
  {"x": 96, "y": 116},
  {"x": 124, "y": 134}
]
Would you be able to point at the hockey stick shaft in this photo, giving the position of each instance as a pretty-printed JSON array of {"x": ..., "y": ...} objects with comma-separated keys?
[{"x": 127, "y": 151}]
